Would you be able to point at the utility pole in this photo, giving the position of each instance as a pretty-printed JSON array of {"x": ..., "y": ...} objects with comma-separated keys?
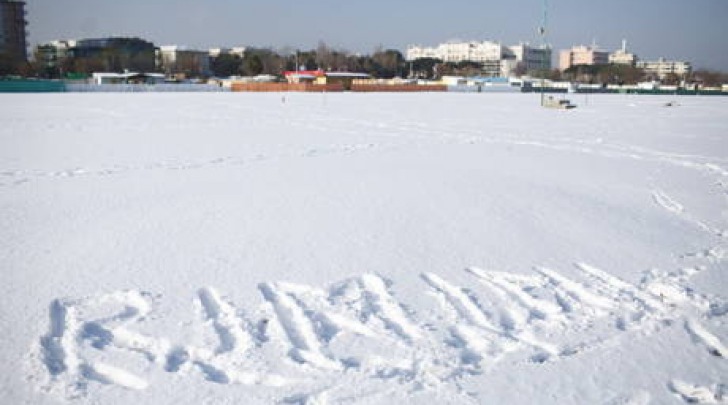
[{"x": 542, "y": 31}]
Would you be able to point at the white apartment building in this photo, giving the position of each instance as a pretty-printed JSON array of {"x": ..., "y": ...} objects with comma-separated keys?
[
  {"x": 662, "y": 67},
  {"x": 458, "y": 51},
  {"x": 497, "y": 59}
]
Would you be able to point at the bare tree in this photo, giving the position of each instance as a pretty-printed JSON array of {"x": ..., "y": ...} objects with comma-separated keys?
[{"x": 324, "y": 58}]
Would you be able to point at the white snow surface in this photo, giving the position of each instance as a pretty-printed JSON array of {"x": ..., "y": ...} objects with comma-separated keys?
[{"x": 363, "y": 248}]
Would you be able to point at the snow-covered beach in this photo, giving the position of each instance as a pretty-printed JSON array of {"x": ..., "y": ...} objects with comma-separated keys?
[{"x": 363, "y": 248}]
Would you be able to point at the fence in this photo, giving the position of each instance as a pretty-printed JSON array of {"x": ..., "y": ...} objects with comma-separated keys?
[
  {"x": 31, "y": 86},
  {"x": 282, "y": 87},
  {"x": 397, "y": 88},
  {"x": 334, "y": 87},
  {"x": 143, "y": 88}
]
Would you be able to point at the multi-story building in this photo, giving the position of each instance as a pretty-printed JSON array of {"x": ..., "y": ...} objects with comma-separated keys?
[
  {"x": 415, "y": 52},
  {"x": 236, "y": 51},
  {"x": 113, "y": 55},
  {"x": 662, "y": 68},
  {"x": 53, "y": 55},
  {"x": 124, "y": 54},
  {"x": 622, "y": 56},
  {"x": 582, "y": 55},
  {"x": 532, "y": 58},
  {"x": 13, "y": 44},
  {"x": 179, "y": 61},
  {"x": 455, "y": 52},
  {"x": 496, "y": 59}
]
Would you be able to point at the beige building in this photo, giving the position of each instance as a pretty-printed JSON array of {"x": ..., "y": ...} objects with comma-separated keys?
[{"x": 582, "y": 55}]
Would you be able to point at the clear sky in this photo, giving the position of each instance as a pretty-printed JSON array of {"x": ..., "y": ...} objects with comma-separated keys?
[{"x": 693, "y": 30}]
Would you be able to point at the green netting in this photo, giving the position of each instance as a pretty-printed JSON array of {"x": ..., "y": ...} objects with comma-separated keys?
[{"x": 31, "y": 86}]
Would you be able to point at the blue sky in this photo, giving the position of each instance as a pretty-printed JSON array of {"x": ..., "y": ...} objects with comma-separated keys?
[{"x": 693, "y": 30}]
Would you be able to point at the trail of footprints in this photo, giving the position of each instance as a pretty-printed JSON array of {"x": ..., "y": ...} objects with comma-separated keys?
[
  {"x": 315, "y": 332},
  {"x": 11, "y": 178}
]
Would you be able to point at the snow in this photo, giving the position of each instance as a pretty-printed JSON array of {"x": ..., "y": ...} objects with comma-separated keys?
[{"x": 363, "y": 248}]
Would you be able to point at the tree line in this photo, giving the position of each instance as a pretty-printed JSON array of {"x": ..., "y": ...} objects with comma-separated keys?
[
  {"x": 384, "y": 63},
  {"x": 628, "y": 75}
]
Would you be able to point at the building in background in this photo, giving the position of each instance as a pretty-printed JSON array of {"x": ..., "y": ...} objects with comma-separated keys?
[
  {"x": 622, "y": 56},
  {"x": 529, "y": 58},
  {"x": 114, "y": 54},
  {"x": 582, "y": 55},
  {"x": 662, "y": 68},
  {"x": 456, "y": 52},
  {"x": 415, "y": 52},
  {"x": 496, "y": 59},
  {"x": 53, "y": 57},
  {"x": 236, "y": 51},
  {"x": 183, "y": 63},
  {"x": 86, "y": 56},
  {"x": 101, "y": 78},
  {"x": 13, "y": 45}
]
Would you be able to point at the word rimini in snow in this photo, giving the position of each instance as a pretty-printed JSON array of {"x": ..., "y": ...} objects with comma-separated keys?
[{"x": 302, "y": 331}]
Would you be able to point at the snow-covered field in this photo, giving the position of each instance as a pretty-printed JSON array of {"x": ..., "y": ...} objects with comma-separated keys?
[{"x": 363, "y": 248}]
